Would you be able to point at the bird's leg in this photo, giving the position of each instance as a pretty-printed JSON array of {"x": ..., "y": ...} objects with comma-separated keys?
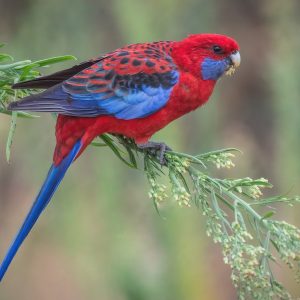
[{"x": 156, "y": 148}]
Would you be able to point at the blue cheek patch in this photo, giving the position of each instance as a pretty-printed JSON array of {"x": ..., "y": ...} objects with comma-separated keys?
[{"x": 212, "y": 69}]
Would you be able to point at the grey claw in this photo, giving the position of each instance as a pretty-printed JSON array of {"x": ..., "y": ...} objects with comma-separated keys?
[{"x": 158, "y": 149}]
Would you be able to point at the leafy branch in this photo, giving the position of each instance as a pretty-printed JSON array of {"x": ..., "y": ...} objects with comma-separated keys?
[
  {"x": 12, "y": 72},
  {"x": 251, "y": 241}
]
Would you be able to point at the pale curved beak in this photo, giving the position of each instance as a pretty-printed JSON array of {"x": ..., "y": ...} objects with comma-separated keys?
[
  {"x": 235, "y": 58},
  {"x": 235, "y": 61}
]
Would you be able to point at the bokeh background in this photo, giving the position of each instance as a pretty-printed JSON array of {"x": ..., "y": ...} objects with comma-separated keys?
[{"x": 101, "y": 237}]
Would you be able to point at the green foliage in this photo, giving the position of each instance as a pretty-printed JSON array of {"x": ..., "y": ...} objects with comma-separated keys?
[
  {"x": 251, "y": 241},
  {"x": 12, "y": 72}
]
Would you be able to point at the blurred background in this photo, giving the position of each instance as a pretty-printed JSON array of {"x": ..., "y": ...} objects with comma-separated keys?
[{"x": 101, "y": 237}]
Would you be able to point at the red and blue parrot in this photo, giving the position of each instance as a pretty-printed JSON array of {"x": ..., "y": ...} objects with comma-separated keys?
[{"x": 133, "y": 91}]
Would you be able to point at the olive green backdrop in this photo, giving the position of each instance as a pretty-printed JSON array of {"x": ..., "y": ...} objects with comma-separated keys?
[{"x": 101, "y": 237}]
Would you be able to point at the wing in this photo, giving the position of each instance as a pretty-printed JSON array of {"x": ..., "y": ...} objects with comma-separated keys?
[
  {"x": 47, "y": 81},
  {"x": 127, "y": 84}
]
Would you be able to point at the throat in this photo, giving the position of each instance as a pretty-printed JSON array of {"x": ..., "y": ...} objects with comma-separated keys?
[{"x": 192, "y": 92}]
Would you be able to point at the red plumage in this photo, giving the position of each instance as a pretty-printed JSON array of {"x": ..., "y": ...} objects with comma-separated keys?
[{"x": 189, "y": 93}]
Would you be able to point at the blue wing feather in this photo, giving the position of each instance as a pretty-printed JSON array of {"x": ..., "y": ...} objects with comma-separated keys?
[
  {"x": 105, "y": 92},
  {"x": 128, "y": 103}
]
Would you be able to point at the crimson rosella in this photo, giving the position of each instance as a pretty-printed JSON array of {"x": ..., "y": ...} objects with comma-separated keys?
[{"x": 133, "y": 91}]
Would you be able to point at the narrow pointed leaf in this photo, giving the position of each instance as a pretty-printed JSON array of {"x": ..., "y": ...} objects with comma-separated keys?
[
  {"x": 11, "y": 132},
  {"x": 47, "y": 62}
]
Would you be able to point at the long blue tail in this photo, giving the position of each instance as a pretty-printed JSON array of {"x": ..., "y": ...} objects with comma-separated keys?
[{"x": 54, "y": 177}]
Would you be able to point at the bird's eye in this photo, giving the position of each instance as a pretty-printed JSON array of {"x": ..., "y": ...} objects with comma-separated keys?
[{"x": 217, "y": 49}]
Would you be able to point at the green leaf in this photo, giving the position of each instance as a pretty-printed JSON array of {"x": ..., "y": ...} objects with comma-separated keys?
[
  {"x": 277, "y": 199},
  {"x": 11, "y": 132},
  {"x": 15, "y": 65},
  {"x": 217, "y": 208},
  {"x": 4, "y": 56},
  {"x": 47, "y": 62},
  {"x": 275, "y": 245},
  {"x": 218, "y": 152},
  {"x": 183, "y": 180},
  {"x": 110, "y": 143},
  {"x": 249, "y": 182},
  {"x": 21, "y": 114},
  {"x": 268, "y": 215},
  {"x": 193, "y": 159},
  {"x": 131, "y": 156},
  {"x": 97, "y": 144}
]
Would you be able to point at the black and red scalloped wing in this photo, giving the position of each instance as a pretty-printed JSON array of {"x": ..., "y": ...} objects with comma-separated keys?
[{"x": 129, "y": 83}]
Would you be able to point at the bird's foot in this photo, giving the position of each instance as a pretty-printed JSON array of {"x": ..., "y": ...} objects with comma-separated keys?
[{"x": 157, "y": 149}]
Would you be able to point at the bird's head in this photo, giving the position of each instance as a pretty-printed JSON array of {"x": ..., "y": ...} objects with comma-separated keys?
[{"x": 207, "y": 55}]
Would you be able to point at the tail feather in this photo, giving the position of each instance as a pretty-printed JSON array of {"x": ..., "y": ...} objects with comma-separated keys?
[{"x": 54, "y": 177}]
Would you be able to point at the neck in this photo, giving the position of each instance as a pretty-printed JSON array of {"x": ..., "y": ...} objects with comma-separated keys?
[{"x": 186, "y": 59}]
